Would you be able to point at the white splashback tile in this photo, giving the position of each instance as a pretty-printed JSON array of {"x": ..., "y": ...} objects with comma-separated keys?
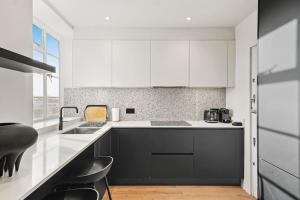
[{"x": 149, "y": 103}]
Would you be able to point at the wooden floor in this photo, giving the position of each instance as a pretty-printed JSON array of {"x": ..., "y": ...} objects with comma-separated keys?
[{"x": 178, "y": 193}]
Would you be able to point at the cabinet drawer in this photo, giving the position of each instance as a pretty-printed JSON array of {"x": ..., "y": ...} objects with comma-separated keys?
[
  {"x": 172, "y": 166},
  {"x": 172, "y": 141}
]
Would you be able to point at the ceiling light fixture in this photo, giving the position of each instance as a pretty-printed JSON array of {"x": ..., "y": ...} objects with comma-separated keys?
[
  {"x": 107, "y": 18},
  {"x": 188, "y": 18}
]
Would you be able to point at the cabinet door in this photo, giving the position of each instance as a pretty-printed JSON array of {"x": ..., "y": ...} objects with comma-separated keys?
[
  {"x": 169, "y": 63},
  {"x": 103, "y": 145},
  {"x": 131, "y": 64},
  {"x": 172, "y": 141},
  {"x": 219, "y": 154},
  {"x": 172, "y": 167},
  {"x": 208, "y": 63},
  {"x": 231, "y": 64},
  {"x": 132, "y": 153},
  {"x": 91, "y": 63}
]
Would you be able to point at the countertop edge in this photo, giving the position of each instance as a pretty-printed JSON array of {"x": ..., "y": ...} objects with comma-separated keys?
[
  {"x": 67, "y": 161},
  {"x": 111, "y": 125}
]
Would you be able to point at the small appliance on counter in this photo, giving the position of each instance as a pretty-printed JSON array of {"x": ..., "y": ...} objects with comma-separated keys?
[
  {"x": 115, "y": 114},
  {"x": 211, "y": 115},
  {"x": 224, "y": 115},
  {"x": 215, "y": 115}
]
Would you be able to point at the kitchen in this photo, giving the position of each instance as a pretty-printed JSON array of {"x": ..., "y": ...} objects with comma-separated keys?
[{"x": 104, "y": 100}]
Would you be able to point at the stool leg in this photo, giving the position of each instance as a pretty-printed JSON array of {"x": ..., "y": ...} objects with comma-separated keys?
[{"x": 107, "y": 187}]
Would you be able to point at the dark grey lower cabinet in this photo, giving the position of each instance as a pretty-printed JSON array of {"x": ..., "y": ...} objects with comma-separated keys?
[
  {"x": 103, "y": 145},
  {"x": 172, "y": 141},
  {"x": 174, "y": 156},
  {"x": 219, "y": 154},
  {"x": 130, "y": 149},
  {"x": 172, "y": 166}
]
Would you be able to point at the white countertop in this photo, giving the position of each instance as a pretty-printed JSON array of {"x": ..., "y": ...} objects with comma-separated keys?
[
  {"x": 53, "y": 151},
  {"x": 147, "y": 124}
]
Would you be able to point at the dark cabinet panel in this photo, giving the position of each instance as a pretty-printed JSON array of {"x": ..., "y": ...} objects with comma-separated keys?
[
  {"x": 177, "y": 156},
  {"x": 172, "y": 141},
  {"x": 132, "y": 153},
  {"x": 218, "y": 154},
  {"x": 172, "y": 166},
  {"x": 103, "y": 145}
]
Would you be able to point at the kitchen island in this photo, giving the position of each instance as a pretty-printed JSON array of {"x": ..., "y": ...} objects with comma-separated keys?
[{"x": 55, "y": 151}]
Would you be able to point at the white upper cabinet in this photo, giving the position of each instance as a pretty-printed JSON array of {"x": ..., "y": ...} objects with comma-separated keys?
[
  {"x": 208, "y": 63},
  {"x": 140, "y": 63},
  {"x": 231, "y": 64},
  {"x": 131, "y": 63},
  {"x": 169, "y": 63},
  {"x": 92, "y": 63}
]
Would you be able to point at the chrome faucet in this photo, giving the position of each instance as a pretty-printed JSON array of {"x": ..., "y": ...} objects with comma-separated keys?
[{"x": 61, "y": 115}]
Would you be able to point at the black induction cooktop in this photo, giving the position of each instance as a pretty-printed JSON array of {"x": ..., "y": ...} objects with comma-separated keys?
[{"x": 170, "y": 123}]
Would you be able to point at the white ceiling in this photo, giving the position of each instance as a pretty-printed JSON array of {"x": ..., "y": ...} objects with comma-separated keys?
[{"x": 153, "y": 13}]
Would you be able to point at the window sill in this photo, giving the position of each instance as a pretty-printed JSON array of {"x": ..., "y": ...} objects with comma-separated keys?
[{"x": 52, "y": 124}]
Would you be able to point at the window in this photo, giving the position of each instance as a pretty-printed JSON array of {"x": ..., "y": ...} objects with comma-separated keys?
[{"x": 45, "y": 86}]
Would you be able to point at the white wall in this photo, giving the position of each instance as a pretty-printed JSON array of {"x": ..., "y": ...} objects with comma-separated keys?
[
  {"x": 15, "y": 35},
  {"x": 238, "y": 98},
  {"x": 47, "y": 18}
]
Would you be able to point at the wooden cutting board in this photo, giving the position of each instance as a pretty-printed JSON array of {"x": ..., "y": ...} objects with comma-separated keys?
[{"x": 95, "y": 113}]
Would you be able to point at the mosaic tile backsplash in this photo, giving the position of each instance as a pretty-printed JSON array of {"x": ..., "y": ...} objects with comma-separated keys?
[{"x": 149, "y": 103}]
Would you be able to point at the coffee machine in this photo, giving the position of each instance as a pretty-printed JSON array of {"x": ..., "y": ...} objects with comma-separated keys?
[
  {"x": 224, "y": 115},
  {"x": 211, "y": 115},
  {"x": 215, "y": 115}
]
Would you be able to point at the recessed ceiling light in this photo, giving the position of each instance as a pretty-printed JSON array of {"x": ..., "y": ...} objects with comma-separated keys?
[
  {"x": 107, "y": 18},
  {"x": 188, "y": 18}
]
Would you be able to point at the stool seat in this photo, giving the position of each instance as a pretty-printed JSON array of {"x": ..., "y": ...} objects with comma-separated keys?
[
  {"x": 95, "y": 172},
  {"x": 74, "y": 194}
]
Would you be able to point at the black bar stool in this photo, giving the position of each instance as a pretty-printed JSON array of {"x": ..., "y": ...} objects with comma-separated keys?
[
  {"x": 96, "y": 171},
  {"x": 74, "y": 194}
]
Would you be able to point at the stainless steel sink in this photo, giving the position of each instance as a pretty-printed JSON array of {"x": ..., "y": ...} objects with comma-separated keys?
[
  {"x": 93, "y": 124},
  {"x": 82, "y": 131}
]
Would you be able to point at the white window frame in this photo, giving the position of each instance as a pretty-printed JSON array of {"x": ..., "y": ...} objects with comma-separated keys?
[{"x": 43, "y": 50}]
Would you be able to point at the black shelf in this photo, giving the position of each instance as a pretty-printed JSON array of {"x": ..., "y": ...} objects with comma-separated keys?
[{"x": 18, "y": 62}]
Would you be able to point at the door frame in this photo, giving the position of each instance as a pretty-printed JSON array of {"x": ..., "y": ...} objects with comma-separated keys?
[{"x": 253, "y": 134}]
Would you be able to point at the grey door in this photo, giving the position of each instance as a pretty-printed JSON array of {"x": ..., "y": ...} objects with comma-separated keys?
[{"x": 279, "y": 99}]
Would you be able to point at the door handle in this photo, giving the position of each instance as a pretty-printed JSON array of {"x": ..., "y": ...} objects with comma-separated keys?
[{"x": 253, "y": 99}]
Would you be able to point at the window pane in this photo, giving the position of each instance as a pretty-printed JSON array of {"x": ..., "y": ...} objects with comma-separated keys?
[
  {"x": 52, "y": 86},
  {"x": 52, "y": 45},
  {"x": 36, "y": 55},
  {"x": 53, "y": 61},
  {"x": 45, "y": 53},
  {"x": 38, "y": 88},
  {"x": 37, "y": 36},
  {"x": 53, "y": 96},
  {"x": 38, "y": 97}
]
